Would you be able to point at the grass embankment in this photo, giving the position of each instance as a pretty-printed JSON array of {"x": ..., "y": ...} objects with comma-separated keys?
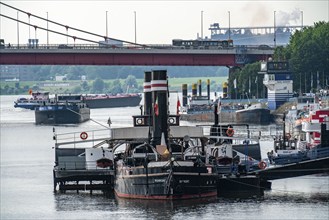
[{"x": 68, "y": 86}]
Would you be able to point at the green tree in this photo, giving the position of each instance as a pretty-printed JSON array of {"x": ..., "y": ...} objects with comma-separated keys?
[
  {"x": 116, "y": 87},
  {"x": 84, "y": 86},
  {"x": 308, "y": 53},
  {"x": 98, "y": 86},
  {"x": 130, "y": 83}
]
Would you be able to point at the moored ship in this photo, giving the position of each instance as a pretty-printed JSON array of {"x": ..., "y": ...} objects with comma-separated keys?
[
  {"x": 36, "y": 99},
  {"x": 112, "y": 101},
  {"x": 63, "y": 110},
  {"x": 253, "y": 114},
  {"x": 162, "y": 160}
]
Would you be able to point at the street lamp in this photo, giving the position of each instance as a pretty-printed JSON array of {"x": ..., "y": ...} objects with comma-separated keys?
[
  {"x": 201, "y": 25},
  {"x": 17, "y": 30},
  {"x": 229, "y": 25},
  {"x": 106, "y": 27},
  {"x": 135, "y": 27},
  {"x": 47, "y": 32},
  {"x": 274, "y": 31}
]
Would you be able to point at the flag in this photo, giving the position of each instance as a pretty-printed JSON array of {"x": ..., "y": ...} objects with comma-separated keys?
[
  {"x": 178, "y": 106},
  {"x": 156, "y": 107}
]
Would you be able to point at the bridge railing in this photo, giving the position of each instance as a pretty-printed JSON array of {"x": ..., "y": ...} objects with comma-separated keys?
[{"x": 240, "y": 48}]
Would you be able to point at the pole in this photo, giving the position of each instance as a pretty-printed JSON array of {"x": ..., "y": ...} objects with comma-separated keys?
[
  {"x": 106, "y": 27},
  {"x": 274, "y": 31},
  {"x": 135, "y": 27},
  {"x": 201, "y": 25},
  {"x": 29, "y": 28},
  {"x": 47, "y": 31},
  {"x": 229, "y": 25},
  {"x": 17, "y": 31},
  {"x": 302, "y": 18}
]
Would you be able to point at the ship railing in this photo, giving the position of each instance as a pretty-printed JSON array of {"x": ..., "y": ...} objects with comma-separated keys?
[
  {"x": 80, "y": 165},
  {"x": 240, "y": 136},
  {"x": 83, "y": 139}
]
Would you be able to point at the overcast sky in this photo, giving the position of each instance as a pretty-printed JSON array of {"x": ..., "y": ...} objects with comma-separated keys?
[{"x": 158, "y": 22}]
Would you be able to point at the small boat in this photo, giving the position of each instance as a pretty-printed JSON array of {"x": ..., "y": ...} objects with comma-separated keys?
[
  {"x": 37, "y": 99},
  {"x": 112, "y": 101},
  {"x": 65, "y": 109},
  {"x": 312, "y": 142}
]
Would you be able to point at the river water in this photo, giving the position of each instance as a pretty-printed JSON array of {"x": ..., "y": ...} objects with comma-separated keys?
[{"x": 26, "y": 186}]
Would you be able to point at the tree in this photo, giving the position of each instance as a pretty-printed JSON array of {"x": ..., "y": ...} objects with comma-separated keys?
[
  {"x": 130, "y": 83},
  {"x": 308, "y": 53},
  {"x": 84, "y": 86},
  {"x": 98, "y": 86},
  {"x": 116, "y": 87}
]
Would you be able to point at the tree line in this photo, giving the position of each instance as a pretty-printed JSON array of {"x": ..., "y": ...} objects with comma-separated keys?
[{"x": 308, "y": 55}]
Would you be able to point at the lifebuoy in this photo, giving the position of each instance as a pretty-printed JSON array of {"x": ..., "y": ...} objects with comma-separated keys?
[
  {"x": 262, "y": 165},
  {"x": 171, "y": 121},
  {"x": 83, "y": 135},
  {"x": 139, "y": 121},
  {"x": 230, "y": 132}
]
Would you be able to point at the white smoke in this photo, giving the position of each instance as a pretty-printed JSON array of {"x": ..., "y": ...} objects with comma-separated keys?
[{"x": 288, "y": 18}]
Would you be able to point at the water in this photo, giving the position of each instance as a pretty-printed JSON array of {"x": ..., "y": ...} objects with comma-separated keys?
[{"x": 27, "y": 160}]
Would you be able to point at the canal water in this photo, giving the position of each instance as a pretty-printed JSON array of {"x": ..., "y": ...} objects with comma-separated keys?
[{"x": 26, "y": 187}]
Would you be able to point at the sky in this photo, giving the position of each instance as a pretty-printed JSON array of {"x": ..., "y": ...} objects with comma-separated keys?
[{"x": 157, "y": 22}]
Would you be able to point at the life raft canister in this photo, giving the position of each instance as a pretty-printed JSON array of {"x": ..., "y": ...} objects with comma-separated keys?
[
  {"x": 262, "y": 165},
  {"x": 230, "y": 132},
  {"x": 83, "y": 135}
]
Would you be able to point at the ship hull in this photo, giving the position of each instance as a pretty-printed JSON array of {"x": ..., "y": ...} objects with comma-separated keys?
[
  {"x": 253, "y": 116},
  {"x": 165, "y": 185},
  {"x": 61, "y": 114},
  {"x": 113, "y": 102}
]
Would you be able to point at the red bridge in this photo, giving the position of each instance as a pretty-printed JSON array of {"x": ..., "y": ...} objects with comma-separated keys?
[{"x": 156, "y": 55}]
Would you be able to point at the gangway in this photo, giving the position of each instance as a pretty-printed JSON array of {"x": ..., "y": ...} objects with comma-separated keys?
[{"x": 315, "y": 166}]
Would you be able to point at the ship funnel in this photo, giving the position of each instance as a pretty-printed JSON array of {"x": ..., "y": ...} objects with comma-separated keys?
[
  {"x": 159, "y": 87},
  {"x": 147, "y": 93},
  {"x": 184, "y": 94},
  {"x": 194, "y": 90},
  {"x": 208, "y": 89}
]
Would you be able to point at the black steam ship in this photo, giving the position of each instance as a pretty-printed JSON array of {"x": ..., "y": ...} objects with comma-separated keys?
[{"x": 160, "y": 159}]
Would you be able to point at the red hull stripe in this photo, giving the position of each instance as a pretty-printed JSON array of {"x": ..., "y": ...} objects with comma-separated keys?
[{"x": 164, "y": 197}]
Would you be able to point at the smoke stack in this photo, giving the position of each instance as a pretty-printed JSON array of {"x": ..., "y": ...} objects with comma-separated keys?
[
  {"x": 200, "y": 89},
  {"x": 147, "y": 93},
  {"x": 184, "y": 94},
  {"x": 159, "y": 86},
  {"x": 216, "y": 114},
  {"x": 208, "y": 88},
  {"x": 194, "y": 90},
  {"x": 225, "y": 89}
]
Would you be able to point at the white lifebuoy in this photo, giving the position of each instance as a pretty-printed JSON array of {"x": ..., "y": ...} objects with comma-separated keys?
[
  {"x": 139, "y": 121},
  {"x": 83, "y": 135},
  {"x": 171, "y": 121}
]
